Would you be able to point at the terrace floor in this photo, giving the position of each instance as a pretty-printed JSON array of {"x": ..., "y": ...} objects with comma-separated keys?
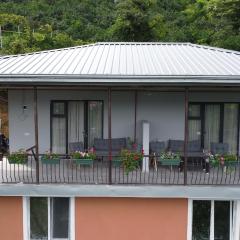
[{"x": 98, "y": 173}]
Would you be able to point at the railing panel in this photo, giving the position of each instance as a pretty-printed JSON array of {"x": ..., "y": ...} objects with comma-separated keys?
[{"x": 68, "y": 171}]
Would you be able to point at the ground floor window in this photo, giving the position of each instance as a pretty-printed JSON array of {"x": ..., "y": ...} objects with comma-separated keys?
[
  {"x": 48, "y": 218},
  {"x": 212, "y": 220}
]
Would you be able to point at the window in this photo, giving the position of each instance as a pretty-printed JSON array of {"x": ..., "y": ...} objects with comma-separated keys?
[
  {"x": 75, "y": 121},
  {"x": 49, "y": 218},
  {"x": 214, "y": 122},
  {"x": 212, "y": 220}
]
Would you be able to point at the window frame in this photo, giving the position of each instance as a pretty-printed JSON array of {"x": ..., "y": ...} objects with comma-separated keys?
[
  {"x": 233, "y": 221},
  {"x": 65, "y": 116},
  {"x": 26, "y": 219}
]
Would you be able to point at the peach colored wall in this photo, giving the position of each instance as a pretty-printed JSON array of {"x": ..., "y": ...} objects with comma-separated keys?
[
  {"x": 130, "y": 219},
  {"x": 11, "y": 218}
]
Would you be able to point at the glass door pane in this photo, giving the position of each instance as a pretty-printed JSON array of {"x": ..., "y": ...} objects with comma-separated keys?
[
  {"x": 221, "y": 220},
  {"x": 38, "y": 218},
  {"x": 59, "y": 135},
  {"x": 58, "y": 130},
  {"x": 95, "y": 121},
  {"x": 60, "y": 217},
  {"x": 201, "y": 220},
  {"x": 194, "y": 130},
  {"x": 75, "y": 122},
  {"x": 230, "y": 129},
  {"x": 212, "y": 125}
]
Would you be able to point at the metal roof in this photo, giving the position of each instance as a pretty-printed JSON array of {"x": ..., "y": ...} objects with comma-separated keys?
[{"x": 123, "y": 61}]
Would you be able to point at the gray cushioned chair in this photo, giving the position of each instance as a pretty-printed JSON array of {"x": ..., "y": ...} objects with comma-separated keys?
[
  {"x": 101, "y": 146},
  {"x": 157, "y": 147},
  {"x": 194, "y": 147},
  {"x": 219, "y": 148}
]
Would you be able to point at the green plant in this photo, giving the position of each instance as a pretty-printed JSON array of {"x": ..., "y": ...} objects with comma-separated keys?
[
  {"x": 216, "y": 159},
  {"x": 169, "y": 156},
  {"x": 49, "y": 155},
  {"x": 84, "y": 155},
  {"x": 131, "y": 160},
  {"x": 18, "y": 157}
]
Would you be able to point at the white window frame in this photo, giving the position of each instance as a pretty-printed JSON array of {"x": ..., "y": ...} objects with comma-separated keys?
[
  {"x": 26, "y": 219},
  {"x": 234, "y": 219}
]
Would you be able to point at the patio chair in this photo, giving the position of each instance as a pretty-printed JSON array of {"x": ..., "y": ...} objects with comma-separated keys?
[
  {"x": 75, "y": 146},
  {"x": 194, "y": 148},
  {"x": 219, "y": 148},
  {"x": 101, "y": 146}
]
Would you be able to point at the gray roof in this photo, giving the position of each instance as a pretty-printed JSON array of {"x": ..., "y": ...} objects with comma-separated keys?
[{"x": 119, "y": 61}]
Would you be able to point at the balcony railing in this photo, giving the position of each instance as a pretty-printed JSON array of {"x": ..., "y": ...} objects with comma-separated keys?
[{"x": 100, "y": 171}]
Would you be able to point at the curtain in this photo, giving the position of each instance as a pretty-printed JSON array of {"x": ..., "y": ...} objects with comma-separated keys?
[
  {"x": 59, "y": 135},
  {"x": 194, "y": 129},
  {"x": 76, "y": 121},
  {"x": 230, "y": 130},
  {"x": 94, "y": 121},
  {"x": 212, "y": 124}
]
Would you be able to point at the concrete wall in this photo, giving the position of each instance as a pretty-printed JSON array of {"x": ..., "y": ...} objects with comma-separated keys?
[
  {"x": 164, "y": 111},
  {"x": 131, "y": 218},
  {"x": 11, "y": 218}
]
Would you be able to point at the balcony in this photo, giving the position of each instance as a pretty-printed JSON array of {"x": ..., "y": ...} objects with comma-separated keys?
[{"x": 102, "y": 171}]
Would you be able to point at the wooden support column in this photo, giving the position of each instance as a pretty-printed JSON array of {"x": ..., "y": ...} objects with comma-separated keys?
[
  {"x": 135, "y": 115},
  {"x": 186, "y": 135},
  {"x": 110, "y": 135},
  {"x": 36, "y": 133}
]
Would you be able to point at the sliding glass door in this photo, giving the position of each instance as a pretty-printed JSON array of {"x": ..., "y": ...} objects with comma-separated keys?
[
  {"x": 75, "y": 122},
  {"x": 214, "y": 123}
]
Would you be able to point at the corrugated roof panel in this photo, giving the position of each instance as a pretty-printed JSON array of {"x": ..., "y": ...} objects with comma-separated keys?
[{"x": 126, "y": 59}]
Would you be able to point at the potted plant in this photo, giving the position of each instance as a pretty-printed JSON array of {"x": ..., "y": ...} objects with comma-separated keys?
[
  {"x": 223, "y": 160},
  {"x": 170, "y": 159},
  {"x": 131, "y": 160},
  {"x": 18, "y": 157},
  {"x": 50, "y": 158},
  {"x": 84, "y": 158}
]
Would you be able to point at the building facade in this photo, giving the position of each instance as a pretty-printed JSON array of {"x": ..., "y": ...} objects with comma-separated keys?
[{"x": 177, "y": 103}]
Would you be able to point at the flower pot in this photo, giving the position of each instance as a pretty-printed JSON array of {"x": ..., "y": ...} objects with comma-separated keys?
[
  {"x": 83, "y": 161},
  {"x": 231, "y": 163},
  {"x": 50, "y": 161},
  {"x": 116, "y": 162},
  {"x": 170, "y": 162}
]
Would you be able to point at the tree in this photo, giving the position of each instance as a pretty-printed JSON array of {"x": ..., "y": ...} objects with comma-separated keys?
[{"x": 137, "y": 20}]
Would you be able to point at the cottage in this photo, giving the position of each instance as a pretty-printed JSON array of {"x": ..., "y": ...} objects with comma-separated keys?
[{"x": 141, "y": 137}]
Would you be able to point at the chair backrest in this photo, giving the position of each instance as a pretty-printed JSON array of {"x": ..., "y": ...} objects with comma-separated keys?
[
  {"x": 102, "y": 144},
  {"x": 75, "y": 146},
  {"x": 157, "y": 147},
  {"x": 194, "y": 146},
  {"x": 176, "y": 145},
  {"x": 219, "y": 148}
]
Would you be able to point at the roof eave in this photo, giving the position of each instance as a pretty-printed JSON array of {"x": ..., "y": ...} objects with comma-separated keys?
[{"x": 122, "y": 79}]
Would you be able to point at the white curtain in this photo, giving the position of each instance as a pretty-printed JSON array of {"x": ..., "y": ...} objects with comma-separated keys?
[
  {"x": 230, "y": 130},
  {"x": 194, "y": 129},
  {"x": 75, "y": 121},
  {"x": 94, "y": 121},
  {"x": 212, "y": 124},
  {"x": 59, "y": 135}
]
